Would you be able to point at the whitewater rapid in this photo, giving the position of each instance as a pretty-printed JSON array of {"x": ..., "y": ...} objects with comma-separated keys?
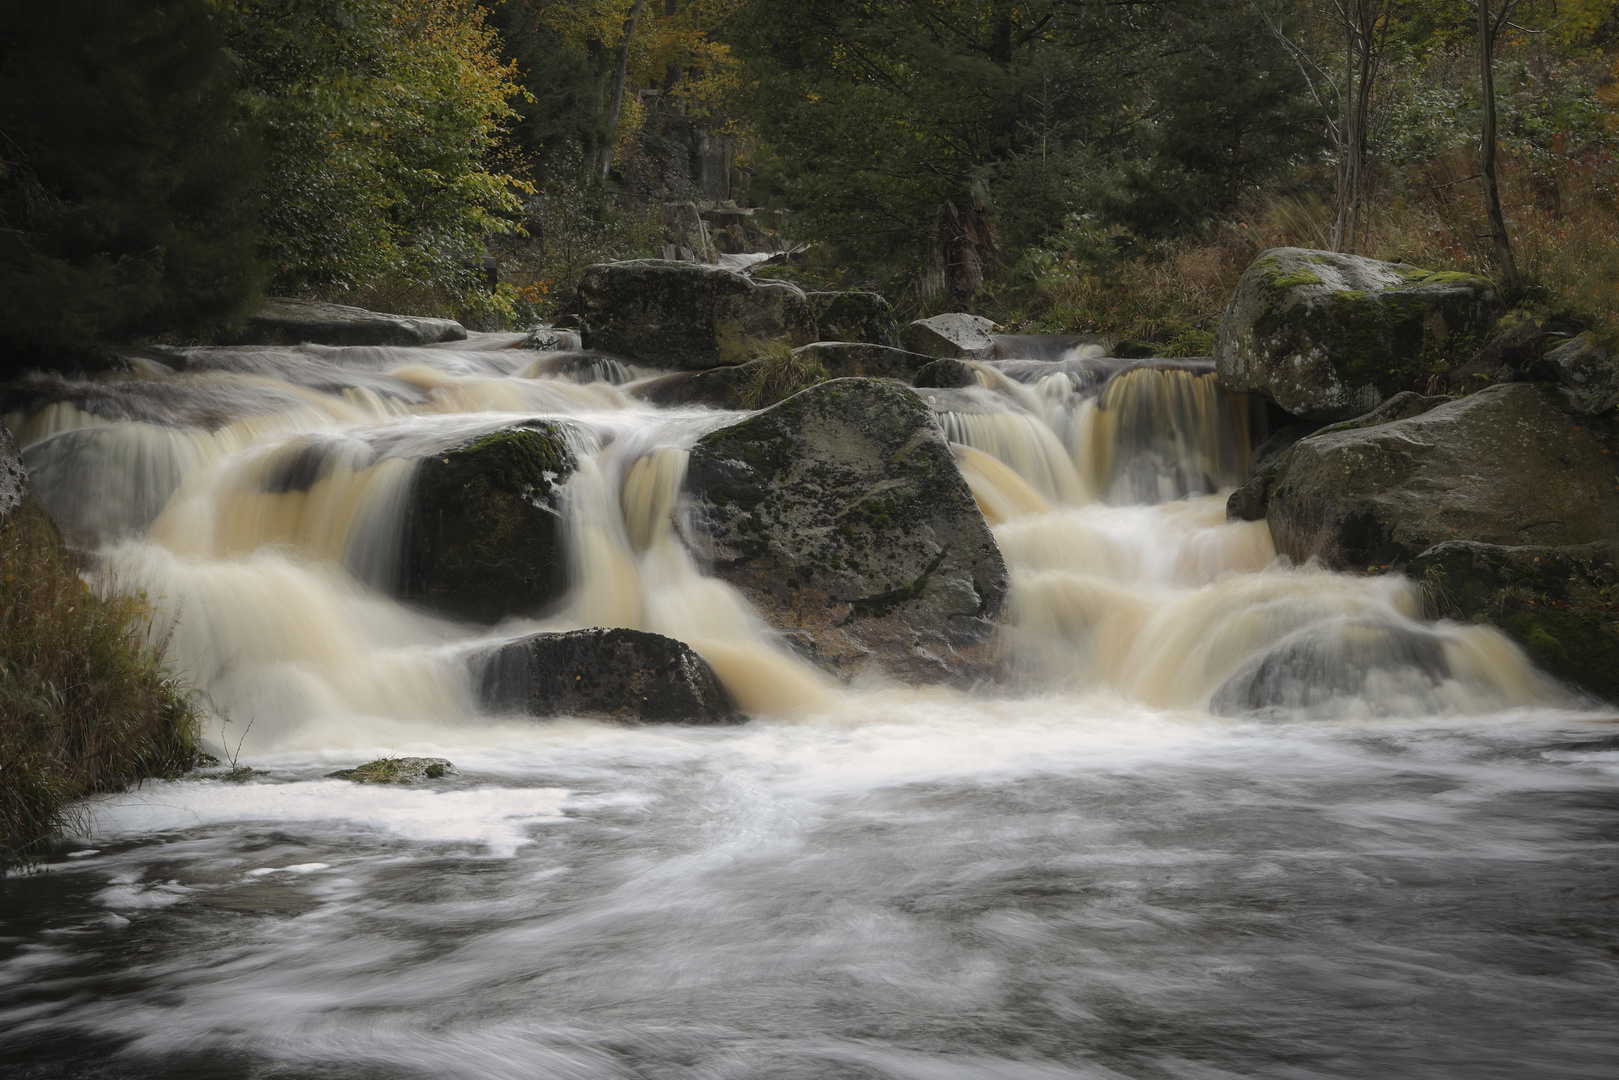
[{"x": 1224, "y": 816}]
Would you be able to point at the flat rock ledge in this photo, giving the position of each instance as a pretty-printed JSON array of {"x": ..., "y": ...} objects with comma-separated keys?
[
  {"x": 615, "y": 674},
  {"x": 285, "y": 321},
  {"x": 398, "y": 770}
]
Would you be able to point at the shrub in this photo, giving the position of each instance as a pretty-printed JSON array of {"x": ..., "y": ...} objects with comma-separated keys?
[{"x": 86, "y": 704}]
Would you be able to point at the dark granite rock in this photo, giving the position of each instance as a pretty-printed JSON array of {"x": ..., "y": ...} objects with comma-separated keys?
[
  {"x": 283, "y": 321},
  {"x": 619, "y": 674},
  {"x": 483, "y": 531},
  {"x": 842, "y": 515}
]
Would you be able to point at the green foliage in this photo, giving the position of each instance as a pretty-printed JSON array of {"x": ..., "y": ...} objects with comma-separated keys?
[
  {"x": 777, "y": 374},
  {"x": 86, "y": 704},
  {"x": 376, "y": 119},
  {"x": 125, "y": 179}
]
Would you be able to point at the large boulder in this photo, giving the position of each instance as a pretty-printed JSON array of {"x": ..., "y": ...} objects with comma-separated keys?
[
  {"x": 483, "y": 528},
  {"x": 619, "y": 674},
  {"x": 1560, "y": 603},
  {"x": 1590, "y": 371},
  {"x": 1328, "y": 336},
  {"x": 284, "y": 321},
  {"x": 854, "y": 316},
  {"x": 841, "y": 514},
  {"x": 956, "y": 335},
  {"x": 1511, "y": 465},
  {"x": 841, "y": 360},
  {"x": 682, "y": 315}
]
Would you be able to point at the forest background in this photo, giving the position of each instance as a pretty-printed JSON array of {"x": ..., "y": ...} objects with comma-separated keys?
[{"x": 1065, "y": 165}]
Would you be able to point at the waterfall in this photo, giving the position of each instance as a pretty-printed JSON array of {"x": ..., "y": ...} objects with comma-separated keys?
[{"x": 257, "y": 496}]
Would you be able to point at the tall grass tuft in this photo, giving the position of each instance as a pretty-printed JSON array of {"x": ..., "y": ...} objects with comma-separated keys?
[
  {"x": 86, "y": 703},
  {"x": 777, "y": 374}
]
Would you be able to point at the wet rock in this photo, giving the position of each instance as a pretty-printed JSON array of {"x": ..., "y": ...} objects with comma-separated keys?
[
  {"x": 956, "y": 335},
  {"x": 1560, "y": 603},
  {"x": 13, "y": 476},
  {"x": 619, "y": 674},
  {"x": 283, "y": 321},
  {"x": 1590, "y": 372},
  {"x": 551, "y": 339},
  {"x": 840, "y": 512},
  {"x": 1512, "y": 465},
  {"x": 483, "y": 529},
  {"x": 1358, "y": 666},
  {"x": 721, "y": 387},
  {"x": 946, "y": 374},
  {"x": 850, "y": 360},
  {"x": 1329, "y": 336},
  {"x": 854, "y": 316},
  {"x": 686, "y": 316},
  {"x": 398, "y": 770}
]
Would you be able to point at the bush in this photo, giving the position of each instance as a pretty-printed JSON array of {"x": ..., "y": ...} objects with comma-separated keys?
[{"x": 86, "y": 704}]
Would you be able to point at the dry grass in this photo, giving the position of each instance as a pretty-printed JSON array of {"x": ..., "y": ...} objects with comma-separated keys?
[
  {"x": 1563, "y": 217},
  {"x": 86, "y": 704},
  {"x": 778, "y": 374}
]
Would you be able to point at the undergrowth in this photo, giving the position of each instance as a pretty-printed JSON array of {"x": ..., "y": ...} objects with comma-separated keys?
[
  {"x": 777, "y": 374},
  {"x": 86, "y": 704}
]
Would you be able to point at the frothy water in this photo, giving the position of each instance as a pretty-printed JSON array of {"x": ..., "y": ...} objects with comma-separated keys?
[{"x": 1225, "y": 817}]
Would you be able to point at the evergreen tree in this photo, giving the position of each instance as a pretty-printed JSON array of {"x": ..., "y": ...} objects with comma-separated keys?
[{"x": 124, "y": 174}]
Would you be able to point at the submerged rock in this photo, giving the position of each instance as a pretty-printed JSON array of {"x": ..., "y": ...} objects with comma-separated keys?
[
  {"x": 1509, "y": 465},
  {"x": 956, "y": 335},
  {"x": 1328, "y": 336},
  {"x": 841, "y": 514},
  {"x": 398, "y": 770},
  {"x": 685, "y": 316},
  {"x": 483, "y": 529},
  {"x": 284, "y": 321},
  {"x": 854, "y": 316},
  {"x": 619, "y": 674},
  {"x": 1560, "y": 603},
  {"x": 1354, "y": 666},
  {"x": 1589, "y": 371}
]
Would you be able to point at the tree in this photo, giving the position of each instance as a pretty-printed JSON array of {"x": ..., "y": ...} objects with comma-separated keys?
[
  {"x": 1341, "y": 67},
  {"x": 1489, "y": 30},
  {"x": 379, "y": 120},
  {"x": 126, "y": 180}
]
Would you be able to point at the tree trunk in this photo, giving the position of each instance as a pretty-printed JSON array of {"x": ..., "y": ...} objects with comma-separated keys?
[
  {"x": 616, "y": 100},
  {"x": 1504, "y": 261}
]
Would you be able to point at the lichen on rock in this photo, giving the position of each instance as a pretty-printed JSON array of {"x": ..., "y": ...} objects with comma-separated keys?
[
  {"x": 1329, "y": 336},
  {"x": 686, "y": 316},
  {"x": 1512, "y": 465},
  {"x": 843, "y": 517}
]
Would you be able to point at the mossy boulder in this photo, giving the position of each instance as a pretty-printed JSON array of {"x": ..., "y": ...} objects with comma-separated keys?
[
  {"x": 1328, "y": 336},
  {"x": 841, "y": 514},
  {"x": 687, "y": 316},
  {"x": 855, "y": 315},
  {"x": 616, "y": 674},
  {"x": 284, "y": 321},
  {"x": 842, "y": 360},
  {"x": 483, "y": 527},
  {"x": 956, "y": 335},
  {"x": 1560, "y": 603},
  {"x": 1513, "y": 465},
  {"x": 397, "y": 770},
  {"x": 1590, "y": 372}
]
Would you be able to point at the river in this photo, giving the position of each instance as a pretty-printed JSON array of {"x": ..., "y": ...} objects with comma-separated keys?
[{"x": 1226, "y": 817}]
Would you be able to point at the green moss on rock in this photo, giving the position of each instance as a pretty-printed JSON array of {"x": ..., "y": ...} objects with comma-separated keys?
[{"x": 483, "y": 532}]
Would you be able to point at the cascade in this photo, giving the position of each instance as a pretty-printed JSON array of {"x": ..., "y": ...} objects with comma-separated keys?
[
  {"x": 259, "y": 502},
  {"x": 1221, "y": 815}
]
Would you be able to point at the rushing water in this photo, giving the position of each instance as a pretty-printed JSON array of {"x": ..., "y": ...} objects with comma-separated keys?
[{"x": 1226, "y": 817}]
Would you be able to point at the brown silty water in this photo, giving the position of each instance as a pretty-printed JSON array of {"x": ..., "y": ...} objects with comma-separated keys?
[{"x": 1225, "y": 817}]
